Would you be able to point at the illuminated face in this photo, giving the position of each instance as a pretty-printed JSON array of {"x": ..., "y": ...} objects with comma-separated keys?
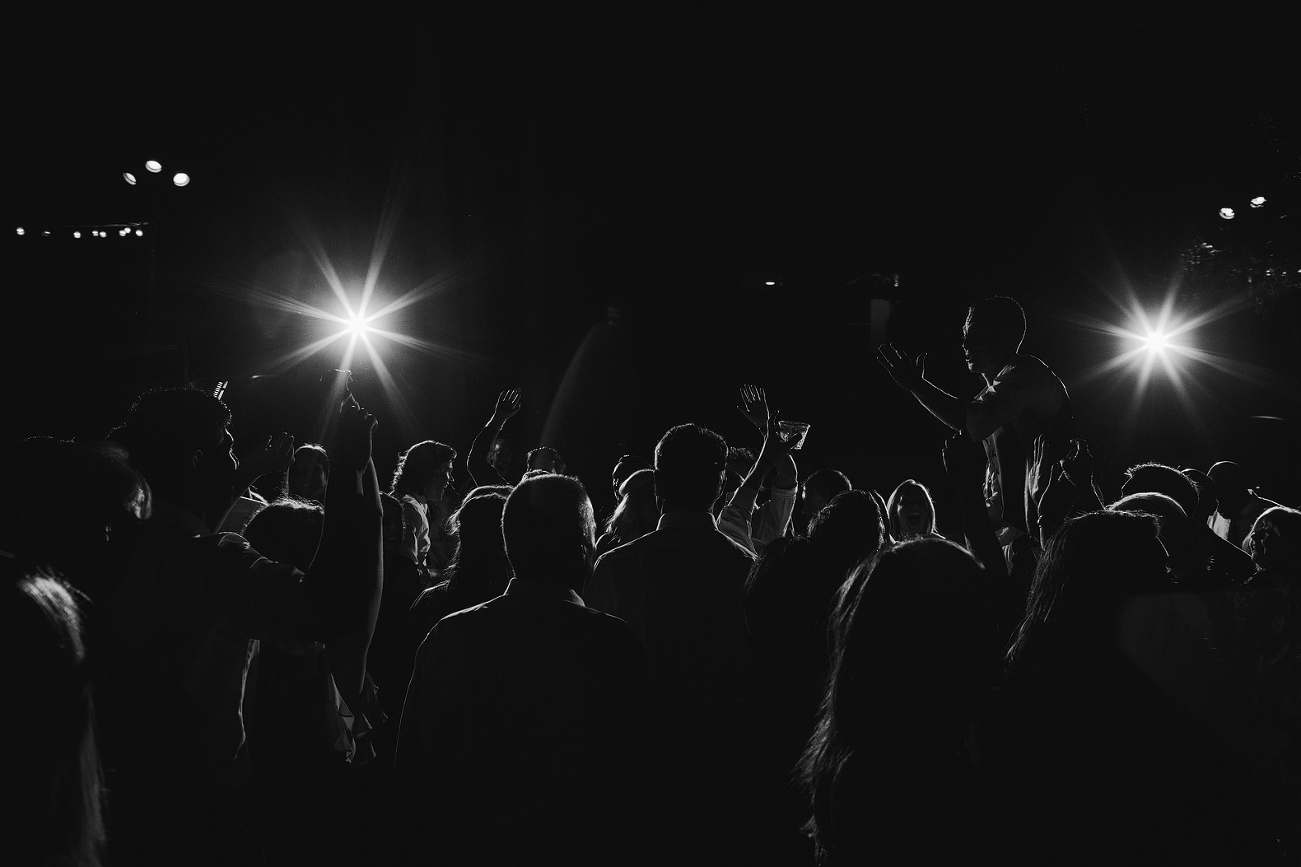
[
  {"x": 979, "y": 346},
  {"x": 438, "y": 482},
  {"x": 307, "y": 478},
  {"x": 912, "y": 513},
  {"x": 500, "y": 456},
  {"x": 1260, "y": 543},
  {"x": 215, "y": 470}
]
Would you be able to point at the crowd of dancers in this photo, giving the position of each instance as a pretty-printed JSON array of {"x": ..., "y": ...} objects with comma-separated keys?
[{"x": 282, "y": 659}]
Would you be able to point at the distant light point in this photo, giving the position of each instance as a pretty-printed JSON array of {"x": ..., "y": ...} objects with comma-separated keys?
[
  {"x": 1258, "y": 202},
  {"x": 154, "y": 166},
  {"x": 129, "y": 178},
  {"x": 180, "y": 179},
  {"x": 1226, "y": 213}
]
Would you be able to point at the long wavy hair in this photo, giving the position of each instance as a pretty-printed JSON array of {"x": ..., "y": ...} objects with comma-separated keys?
[
  {"x": 914, "y": 650},
  {"x": 478, "y": 568},
  {"x": 636, "y": 515},
  {"x": 52, "y": 787}
]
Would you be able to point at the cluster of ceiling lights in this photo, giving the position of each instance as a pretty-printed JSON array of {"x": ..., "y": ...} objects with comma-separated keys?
[
  {"x": 181, "y": 179},
  {"x": 122, "y": 231},
  {"x": 1228, "y": 213}
]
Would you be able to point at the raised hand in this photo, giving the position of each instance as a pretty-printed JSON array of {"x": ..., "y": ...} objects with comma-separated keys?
[
  {"x": 508, "y": 403},
  {"x": 907, "y": 372},
  {"x": 271, "y": 455},
  {"x": 351, "y": 443},
  {"x": 754, "y": 406}
]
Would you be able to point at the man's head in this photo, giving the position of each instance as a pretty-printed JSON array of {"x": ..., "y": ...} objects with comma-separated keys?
[
  {"x": 546, "y": 460},
  {"x": 1154, "y": 478},
  {"x": 1230, "y": 488},
  {"x": 500, "y": 456},
  {"x": 179, "y": 439},
  {"x": 690, "y": 464},
  {"x": 309, "y": 474},
  {"x": 1206, "y": 499},
  {"x": 820, "y": 488},
  {"x": 424, "y": 470},
  {"x": 626, "y": 466},
  {"x": 550, "y": 530},
  {"x": 993, "y": 333}
]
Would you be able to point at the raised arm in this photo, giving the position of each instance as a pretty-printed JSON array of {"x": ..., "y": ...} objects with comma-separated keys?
[
  {"x": 735, "y": 517},
  {"x": 910, "y": 375},
  {"x": 346, "y": 578},
  {"x": 481, "y": 472}
]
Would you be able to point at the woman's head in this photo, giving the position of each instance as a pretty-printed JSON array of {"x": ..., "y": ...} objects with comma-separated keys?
[
  {"x": 1090, "y": 567},
  {"x": 910, "y": 511},
  {"x": 479, "y": 562},
  {"x": 1275, "y": 539},
  {"x": 423, "y": 470},
  {"x": 636, "y": 515},
  {"x": 53, "y": 783}
]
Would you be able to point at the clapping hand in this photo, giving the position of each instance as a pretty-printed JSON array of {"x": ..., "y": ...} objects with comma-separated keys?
[{"x": 907, "y": 372}]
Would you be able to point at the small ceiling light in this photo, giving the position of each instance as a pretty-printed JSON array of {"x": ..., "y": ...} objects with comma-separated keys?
[
  {"x": 129, "y": 178},
  {"x": 22, "y": 231},
  {"x": 140, "y": 233},
  {"x": 154, "y": 166},
  {"x": 180, "y": 179},
  {"x": 770, "y": 282},
  {"x": 76, "y": 234},
  {"x": 1226, "y": 213},
  {"x": 1258, "y": 202},
  {"x": 46, "y": 234}
]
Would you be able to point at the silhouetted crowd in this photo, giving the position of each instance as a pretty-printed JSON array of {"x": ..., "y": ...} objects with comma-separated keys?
[{"x": 277, "y": 659}]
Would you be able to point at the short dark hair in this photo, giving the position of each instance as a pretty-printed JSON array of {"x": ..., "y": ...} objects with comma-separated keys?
[
  {"x": 417, "y": 465},
  {"x": 1155, "y": 478},
  {"x": 546, "y": 521},
  {"x": 165, "y": 426},
  {"x": 287, "y": 531},
  {"x": 558, "y": 463},
  {"x": 690, "y": 463},
  {"x": 1002, "y": 316},
  {"x": 828, "y": 483}
]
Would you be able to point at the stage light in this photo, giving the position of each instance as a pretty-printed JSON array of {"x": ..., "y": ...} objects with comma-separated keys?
[
  {"x": 1156, "y": 342},
  {"x": 180, "y": 179},
  {"x": 76, "y": 234},
  {"x": 1226, "y": 213},
  {"x": 770, "y": 282},
  {"x": 357, "y": 326},
  {"x": 1258, "y": 202},
  {"x": 22, "y": 231},
  {"x": 154, "y": 166},
  {"x": 129, "y": 178},
  {"x": 140, "y": 233}
]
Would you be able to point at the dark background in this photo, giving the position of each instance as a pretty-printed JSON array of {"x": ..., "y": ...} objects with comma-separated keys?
[{"x": 533, "y": 166}]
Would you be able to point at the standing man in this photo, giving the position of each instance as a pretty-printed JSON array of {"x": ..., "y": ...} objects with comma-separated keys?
[{"x": 1023, "y": 414}]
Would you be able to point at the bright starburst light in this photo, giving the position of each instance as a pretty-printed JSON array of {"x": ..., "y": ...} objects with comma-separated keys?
[{"x": 367, "y": 319}]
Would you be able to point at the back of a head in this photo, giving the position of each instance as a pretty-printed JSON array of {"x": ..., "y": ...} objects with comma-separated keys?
[
  {"x": 546, "y": 459},
  {"x": 636, "y": 514},
  {"x": 51, "y": 786},
  {"x": 1090, "y": 567},
  {"x": 846, "y": 531},
  {"x": 1230, "y": 481},
  {"x": 479, "y": 568},
  {"x": 165, "y": 426},
  {"x": 549, "y": 529},
  {"x": 1157, "y": 478},
  {"x": 828, "y": 482},
  {"x": 287, "y": 531},
  {"x": 1176, "y": 530},
  {"x": 915, "y": 634},
  {"x": 690, "y": 463},
  {"x": 1002, "y": 317},
  {"x": 1206, "y": 500}
]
